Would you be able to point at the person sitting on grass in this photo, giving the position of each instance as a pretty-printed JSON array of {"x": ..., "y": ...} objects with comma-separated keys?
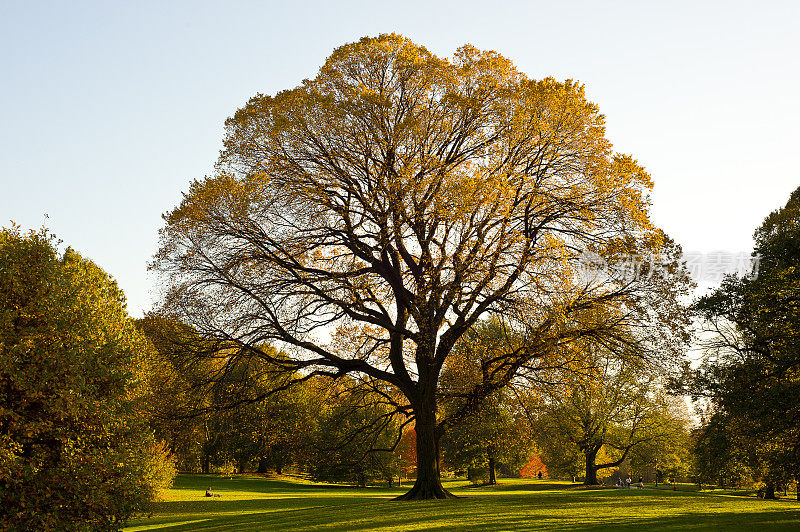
[{"x": 210, "y": 493}]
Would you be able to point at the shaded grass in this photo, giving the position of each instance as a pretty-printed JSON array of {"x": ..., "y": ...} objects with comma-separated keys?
[{"x": 254, "y": 503}]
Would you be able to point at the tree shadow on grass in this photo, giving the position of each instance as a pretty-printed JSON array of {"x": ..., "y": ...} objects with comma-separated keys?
[
  {"x": 460, "y": 516},
  {"x": 267, "y": 485},
  {"x": 532, "y": 486},
  {"x": 557, "y": 506}
]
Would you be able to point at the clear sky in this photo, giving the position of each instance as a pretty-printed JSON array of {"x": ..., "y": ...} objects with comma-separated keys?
[{"x": 109, "y": 109}]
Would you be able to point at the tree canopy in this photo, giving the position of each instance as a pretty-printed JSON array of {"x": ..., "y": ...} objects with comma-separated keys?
[
  {"x": 397, "y": 199},
  {"x": 752, "y": 373}
]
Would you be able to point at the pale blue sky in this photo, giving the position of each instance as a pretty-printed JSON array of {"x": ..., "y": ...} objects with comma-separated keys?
[{"x": 109, "y": 109}]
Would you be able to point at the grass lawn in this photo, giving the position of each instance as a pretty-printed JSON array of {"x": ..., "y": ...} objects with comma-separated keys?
[{"x": 254, "y": 503}]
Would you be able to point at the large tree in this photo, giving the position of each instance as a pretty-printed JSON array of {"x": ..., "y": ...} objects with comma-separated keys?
[
  {"x": 402, "y": 197},
  {"x": 76, "y": 452},
  {"x": 752, "y": 373}
]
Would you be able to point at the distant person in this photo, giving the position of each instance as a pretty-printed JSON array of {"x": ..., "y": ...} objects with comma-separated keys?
[
  {"x": 210, "y": 493},
  {"x": 628, "y": 482},
  {"x": 641, "y": 483}
]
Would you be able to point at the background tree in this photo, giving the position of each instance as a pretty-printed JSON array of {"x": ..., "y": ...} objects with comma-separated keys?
[
  {"x": 668, "y": 455},
  {"x": 356, "y": 436},
  {"x": 75, "y": 450},
  {"x": 487, "y": 434},
  {"x": 273, "y": 432},
  {"x": 410, "y": 196},
  {"x": 718, "y": 459},
  {"x": 492, "y": 436},
  {"x": 752, "y": 372},
  {"x": 561, "y": 457},
  {"x": 175, "y": 382},
  {"x": 213, "y": 417},
  {"x": 605, "y": 405}
]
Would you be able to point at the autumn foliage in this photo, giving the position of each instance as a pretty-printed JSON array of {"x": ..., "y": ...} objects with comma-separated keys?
[
  {"x": 406, "y": 197},
  {"x": 533, "y": 467},
  {"x": 75, "y": 450}
]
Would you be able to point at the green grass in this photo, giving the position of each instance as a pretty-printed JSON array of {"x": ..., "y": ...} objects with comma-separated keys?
[{"x": 254, "y": 503}]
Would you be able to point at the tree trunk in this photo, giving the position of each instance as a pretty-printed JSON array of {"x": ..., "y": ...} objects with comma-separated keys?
[
  {"x": 797, "y": 486},
  {"x": 428, "y": 485},
  {"x": 769, "y": 491},
  {"x": 263, "y": 466},
  {"x": 591, "y": 469},
  {"x": 242, "y": 464},
  {"x": 492, "y": 477},
  {"x": 279, "y": 466},
  {"x": 206, "y": 466}
]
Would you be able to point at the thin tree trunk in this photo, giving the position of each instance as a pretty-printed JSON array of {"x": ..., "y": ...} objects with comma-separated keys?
[
  {"x": 206, "y": 465},
  {"x": 492, "y": 477},
  {"x": 797, "y": 486},
  {"x": 769, "y": 491}
]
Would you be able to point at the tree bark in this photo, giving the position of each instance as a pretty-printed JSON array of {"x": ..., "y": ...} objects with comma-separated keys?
[
  {"x": 263, "y": 466},
  {"x": 769, "y": 491},
  {"x": 428, "y": 484},
  {"x": 206, "y": 465},
  {"x": 591, "y": 469},
  {"x": 492, "y": 477}
]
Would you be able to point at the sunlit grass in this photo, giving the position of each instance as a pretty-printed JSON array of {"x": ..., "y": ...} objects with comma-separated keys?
[{"x": 254, "y": 503}]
